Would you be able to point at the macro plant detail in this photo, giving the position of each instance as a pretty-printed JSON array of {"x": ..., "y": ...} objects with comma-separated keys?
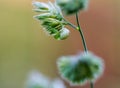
[
  {"x": 72, "y": 6},
  {"x": 51, "y": 19},
  {"x": 76, "y": 69},
  {"x": 37, "y": 80}
]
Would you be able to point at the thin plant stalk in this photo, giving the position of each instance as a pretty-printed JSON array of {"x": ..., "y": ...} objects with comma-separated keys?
[
  {"x": 81, "y": 33},
  {"x": 83, "y": 41},
  {"x": 91, "y": 85},
  {"x": 78, "y": 27}
]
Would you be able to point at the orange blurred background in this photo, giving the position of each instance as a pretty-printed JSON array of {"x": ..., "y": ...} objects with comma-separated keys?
[{"x": 24, "y": 46}]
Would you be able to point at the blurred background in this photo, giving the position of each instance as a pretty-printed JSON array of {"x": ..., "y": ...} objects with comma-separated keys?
[{"x": 25, "y": 47}]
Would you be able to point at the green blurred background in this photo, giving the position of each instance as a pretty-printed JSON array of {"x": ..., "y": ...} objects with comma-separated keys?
[{"x": 25, "y": 47}]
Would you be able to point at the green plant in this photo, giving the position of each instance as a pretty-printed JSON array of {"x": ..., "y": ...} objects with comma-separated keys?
[{"x": 76, "y": 69}]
